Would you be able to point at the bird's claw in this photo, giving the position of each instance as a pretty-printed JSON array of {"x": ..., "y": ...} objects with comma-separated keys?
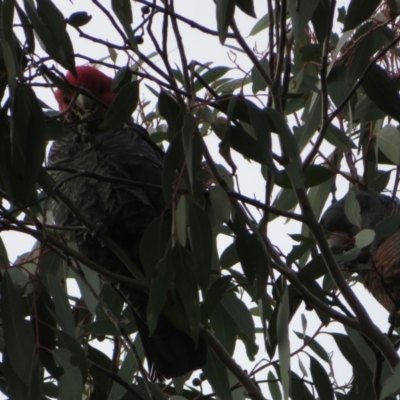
[{"x": 100, "y": 230}]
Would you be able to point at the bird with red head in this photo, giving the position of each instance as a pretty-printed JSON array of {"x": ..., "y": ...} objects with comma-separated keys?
[
  {"x": 125, "y": 210},
  {"x": 93, "y": 82}
]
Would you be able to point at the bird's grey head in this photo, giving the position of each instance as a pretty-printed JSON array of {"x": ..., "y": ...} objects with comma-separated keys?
[{"x": 374, "y": 208}]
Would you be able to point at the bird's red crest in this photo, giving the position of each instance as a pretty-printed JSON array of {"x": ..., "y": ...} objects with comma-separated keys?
[{"x": 92, "y": 80}]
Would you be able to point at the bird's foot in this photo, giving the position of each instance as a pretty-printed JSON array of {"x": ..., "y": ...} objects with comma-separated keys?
[{"x": 100, "y": 230}]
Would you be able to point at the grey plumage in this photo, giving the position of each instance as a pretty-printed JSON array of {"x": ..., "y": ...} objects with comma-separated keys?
[
  {"x": 382, "y": 256},
  {"x": 125, "y": 210}
]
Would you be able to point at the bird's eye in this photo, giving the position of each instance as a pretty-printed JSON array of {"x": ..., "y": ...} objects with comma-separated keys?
[
  {"x": 102, "y": 89},
  {"x": 66, "y": 100}
]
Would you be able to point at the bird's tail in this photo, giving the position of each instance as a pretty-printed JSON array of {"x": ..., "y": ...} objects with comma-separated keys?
[{"x": 170, "y": 352}]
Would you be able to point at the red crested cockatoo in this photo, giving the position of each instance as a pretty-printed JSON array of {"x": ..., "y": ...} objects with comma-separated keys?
[{"x": 124, "y": 210}]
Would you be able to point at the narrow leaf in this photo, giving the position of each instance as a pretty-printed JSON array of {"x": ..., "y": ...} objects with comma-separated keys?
[
  {"x": 217, "y": 376},
  {"x": 63, "y": 309},
  {"x": 18, "y": 333},
  {"x": 123, "y": 106},
  {"x": 284, "y": 343},
  {"x": 321, "y": 380}
]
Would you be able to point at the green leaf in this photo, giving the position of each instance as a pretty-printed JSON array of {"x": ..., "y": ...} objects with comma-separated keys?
[
  {"x": 274, "y": 386},
  {"x": 314, "y": 176},
  {"x": 180, "y": 221},
  {"x": 189, "y": 124},
  {"x": 209, "y": 77},
  {"x": 173, "y": 161},
  {"x": 185, "y": 283},
  {"x": 391, "y": 385},
  {"x": 122, "y": 107},
  {"x": 288, "y": 141},
  {"x": 321, "y": 380},
  {"x": 9, "y": 45},
  {"x": 349, "y": 255},
  {"x": 300, "y": 16},
  {"x": 387, "y": 227},
  {"x": 310, "y": 52},
  {"x": 251, "y": 254},
  {"x": 259, "y": 83},
  {"x": 358, "y": 11},
  {"x": 70, "y": 385},
  {"x": 247, "y": 7},
  {"x": 102, "y": 382},
  {"x": 93, "y": 280},
  {"x": 260, "y": 25},
  {"x": 299, "y": 250},
  {"x": 78, "y": 358},
  {"x": 364, "y": 238},
  {"x": 11, "y": 66},
  {"x": 285, "y": 200},
  {"x": 272, "y": 334},
  {"x": 18, "y": 334},
  {"x": 299, "y": 389},
  {"x": 220, "y": 202},
  {"x": 381, "y": 180},
  {"x": 225, "y": 13},
  {"x": 101, "y": 327},
  {"x": 27, "y": 144},
  {"x": 42, "y": 318},
  {"x": 314, "y": 346},
  {"x": 213, "y": 296},
  {"x": 127, "y": 370},
  {"x": 153, "y": 245},
  {"x": 312, "y": 118},
  {"x": 48, "y": 22},
  {"x": 123, "y": 10},
  {"x": 159, "y": 288},
  {"x": 63, "y": 309},
  {"x": 338, "y": 83},
  {"x": 16, "y": 388},
  {"x": 3, "y": 255},
  {"x": 351, "y": 354},
  {"x": 240, "y": 314},
  {"x": 260, "y": 123},
  {"x": 217, "y": 376},
  {"x": 239, "y": 140},
  {"x": 122, "y": 78},
  {"x": 320, "y": 20},
  {"x": 224, "y": 328},
  {"x": 364, "y": 50},
  {"x": 381, "y": 90},
  {"x": 352, "y": 208},
  {"x": 337, "y": 138},
  {"x": 389, "y": 142},
  {"x": 200, "y": 234},
  {"x": 282, "y": 329},
  {"x": 234, "y": 107},
  {"x": 172, "y": 112},
  {"x": 363, "y": 349},
  {"x": 229, "y": 257}
]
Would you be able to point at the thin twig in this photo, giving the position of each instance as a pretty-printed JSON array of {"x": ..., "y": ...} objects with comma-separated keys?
[{"x": 190, "y": 22}]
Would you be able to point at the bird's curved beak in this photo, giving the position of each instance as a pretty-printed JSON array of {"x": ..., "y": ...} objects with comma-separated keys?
[
  {"x": 340, "y": 239},
  {"x": 85, "y": 103}
]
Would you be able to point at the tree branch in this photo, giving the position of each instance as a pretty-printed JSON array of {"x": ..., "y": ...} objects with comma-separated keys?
[{"x": 251, "y": 388}]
